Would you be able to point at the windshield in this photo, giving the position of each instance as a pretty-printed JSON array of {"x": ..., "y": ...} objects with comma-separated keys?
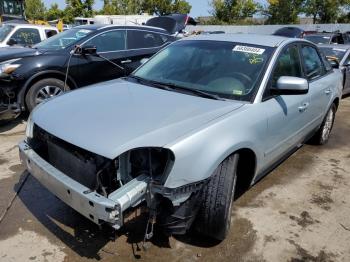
[
  {"x": 318, "y": 39},
  {"x": 64, "y": 39},
  {"x": 335, "y": 53},
  {"x": 229, "y": 70},
  {"x": 5, "y": 30}
]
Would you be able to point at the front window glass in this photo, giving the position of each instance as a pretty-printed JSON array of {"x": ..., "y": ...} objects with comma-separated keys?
[
  {"x": 318, "y": 39},
  {"x": 5, "y": 30},
  {"x": 288, "y": 64},
  {"x": 109, "y": 41},
  {"x": 229, "y": 70},
  {"x": 64, "y": 39}
]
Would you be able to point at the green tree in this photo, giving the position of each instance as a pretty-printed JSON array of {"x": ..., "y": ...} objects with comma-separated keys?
[
  {"x": 163, "y": 7},
  {"x": 232, "y": 11},
  {"x": 35, "y": 9},
  {"x": 54, "y": 12},
  {"x": 325, "y": 11},
  {"x": 284, "y": 11}
]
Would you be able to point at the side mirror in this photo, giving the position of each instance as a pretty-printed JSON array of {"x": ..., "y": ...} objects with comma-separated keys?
[
  {"x": 89, "y": 50},
  {"x": 334, "y": 63},
  {"x": 290, "y": 85},
  {"x": 12, "y": 41}
]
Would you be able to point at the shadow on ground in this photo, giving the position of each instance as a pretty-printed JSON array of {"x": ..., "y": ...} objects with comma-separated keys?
[{"x": 83, "y": 236}]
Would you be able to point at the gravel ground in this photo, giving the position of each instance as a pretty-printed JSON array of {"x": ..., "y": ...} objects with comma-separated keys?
[{"x": 299, "y": 212}]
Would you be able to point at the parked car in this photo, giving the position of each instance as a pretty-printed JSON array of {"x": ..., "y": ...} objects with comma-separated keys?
[
  {"x": 24, "y": 34},
  {"x": 197, "y": 124},
  {"x": 328, "y": 38},
  {"x": 93, "y": 53},
  {"x": 339, "y": 57},
  {"x": 174, "y": 24},
  {"x": 293, "y": 32}
]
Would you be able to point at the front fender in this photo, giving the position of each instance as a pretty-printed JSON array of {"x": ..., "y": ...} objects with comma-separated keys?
[{"x": 198, "y": 154}]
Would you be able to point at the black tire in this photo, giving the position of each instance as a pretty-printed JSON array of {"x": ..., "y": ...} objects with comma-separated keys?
[
  {"x": 49, "y": 86},
  {"x": 214, "y": 216},
  {"x": 322, "y": 135}
]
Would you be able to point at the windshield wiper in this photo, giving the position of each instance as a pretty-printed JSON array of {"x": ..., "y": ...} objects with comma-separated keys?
[{"x": 171, "y": 87}]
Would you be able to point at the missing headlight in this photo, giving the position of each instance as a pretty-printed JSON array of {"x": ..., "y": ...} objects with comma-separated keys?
[{"x": 152, "y": 161}]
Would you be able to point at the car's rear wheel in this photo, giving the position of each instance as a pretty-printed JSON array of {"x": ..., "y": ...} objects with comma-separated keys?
[
  {"x": 322, "y": 135},
  {"x": 214, "y": 216},
  {"x": 42, "y": 90}
]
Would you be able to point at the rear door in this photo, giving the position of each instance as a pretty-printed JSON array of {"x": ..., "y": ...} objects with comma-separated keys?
[
  {"x": 287, "y": 114},
  {"x": 111, "y": 50},
  {"x": 142, "y": 44},
  {"x": 320, "y": 84}
]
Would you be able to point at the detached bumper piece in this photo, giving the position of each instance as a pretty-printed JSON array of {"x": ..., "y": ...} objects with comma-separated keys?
[{"x": 92, "y": 205}]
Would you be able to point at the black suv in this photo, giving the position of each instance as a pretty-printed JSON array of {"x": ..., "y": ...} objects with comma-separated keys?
[{"x": 94, "y": 53}]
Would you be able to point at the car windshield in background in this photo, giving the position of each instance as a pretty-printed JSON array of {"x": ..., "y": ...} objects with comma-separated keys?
[
  {"x": 226, "y": 69},
  {"x": 318, "y": 39},
  {"x": 333, "y": 53},
  {"x": 64, "y": 39},
  {"x": 5, "y": 30}
]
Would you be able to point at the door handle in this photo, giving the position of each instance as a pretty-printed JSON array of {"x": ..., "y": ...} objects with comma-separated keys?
[
  {"x": 328, "y": 91},
  {"x": 126, "y": 61},
  {"x": 303, "y": 107}
]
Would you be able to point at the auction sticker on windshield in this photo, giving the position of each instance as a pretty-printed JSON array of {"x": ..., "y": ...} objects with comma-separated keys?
[{"x": 248, "y": 49}]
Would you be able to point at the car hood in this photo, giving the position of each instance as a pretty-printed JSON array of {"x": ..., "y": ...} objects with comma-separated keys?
[
  {"x": 113, "y": 117},
  {"x": 7, "y": 53}
]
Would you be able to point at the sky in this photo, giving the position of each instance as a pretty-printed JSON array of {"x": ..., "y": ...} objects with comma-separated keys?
[{"x": 199, "y": 7}]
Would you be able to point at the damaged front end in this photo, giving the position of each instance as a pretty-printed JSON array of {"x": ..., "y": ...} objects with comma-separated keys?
[{"x": 105, "y": 190}]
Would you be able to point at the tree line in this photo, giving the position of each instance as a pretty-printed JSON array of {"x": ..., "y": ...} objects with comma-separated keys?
[
  {"x": 222, "y": 11},
  {"x": 279, "y": 11},
  {"x": 36, "y": 10}
]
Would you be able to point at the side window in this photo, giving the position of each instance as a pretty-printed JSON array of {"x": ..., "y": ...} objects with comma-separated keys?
[
  {"x": 26, "y": 36},
  {"x": 312, "y": 62},
  {"x": 49, "y": 33},
  {"x": 143, "y": 39},
  {"x": 109, "y": 41},
  {"x": 287, "y": 64}
]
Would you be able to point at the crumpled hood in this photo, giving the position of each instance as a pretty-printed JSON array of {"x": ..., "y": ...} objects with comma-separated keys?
[
  {"x": 7, "y": 53},
  {"x": 113, "y": 117}
]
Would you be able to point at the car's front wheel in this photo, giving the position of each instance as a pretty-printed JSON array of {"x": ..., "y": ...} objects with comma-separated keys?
[
  {"x": 322, "y": 135},
  {"x": 214, "y": 216},
  {"x": 42, "y": 90}
]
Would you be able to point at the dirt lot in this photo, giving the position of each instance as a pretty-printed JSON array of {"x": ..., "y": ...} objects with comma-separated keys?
[{"x": 299, "y": 212}]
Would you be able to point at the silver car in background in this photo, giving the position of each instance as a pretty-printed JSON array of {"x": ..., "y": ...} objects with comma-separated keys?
[
  {"x": 186, "y": 133},
  {"x": 339, "y": 57}
]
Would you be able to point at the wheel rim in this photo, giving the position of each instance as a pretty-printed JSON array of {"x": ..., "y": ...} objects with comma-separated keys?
[
  {"x": 47, "y": 92},
  {"x": 327, "y": 125}
]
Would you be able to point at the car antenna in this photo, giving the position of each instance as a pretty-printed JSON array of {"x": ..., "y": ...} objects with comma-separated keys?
[{"x": 75, "y": 50}]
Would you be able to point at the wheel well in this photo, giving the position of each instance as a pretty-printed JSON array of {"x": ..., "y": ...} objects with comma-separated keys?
[
  {"x": 36, "y": 79},
  {"x": 336, "y": 102},
  {"x": 245, "y": 170}
]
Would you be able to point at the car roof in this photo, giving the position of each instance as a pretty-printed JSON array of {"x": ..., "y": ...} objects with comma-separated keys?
[
  {"x": 103, "y": 26},
  {"x": 341, "y": 46},
  {"x": 31, "y": 26},
  {"x": 254, "y": 39},
  {"x": 323, "y": 34}
]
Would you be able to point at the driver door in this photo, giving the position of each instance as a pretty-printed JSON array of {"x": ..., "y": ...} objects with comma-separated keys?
[
  {"x": 287, "y": 114},
  {"x": 110, "y": 45}
]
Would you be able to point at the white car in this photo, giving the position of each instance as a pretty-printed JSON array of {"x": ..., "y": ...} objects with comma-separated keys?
[{"x": 24, "y": 34}]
